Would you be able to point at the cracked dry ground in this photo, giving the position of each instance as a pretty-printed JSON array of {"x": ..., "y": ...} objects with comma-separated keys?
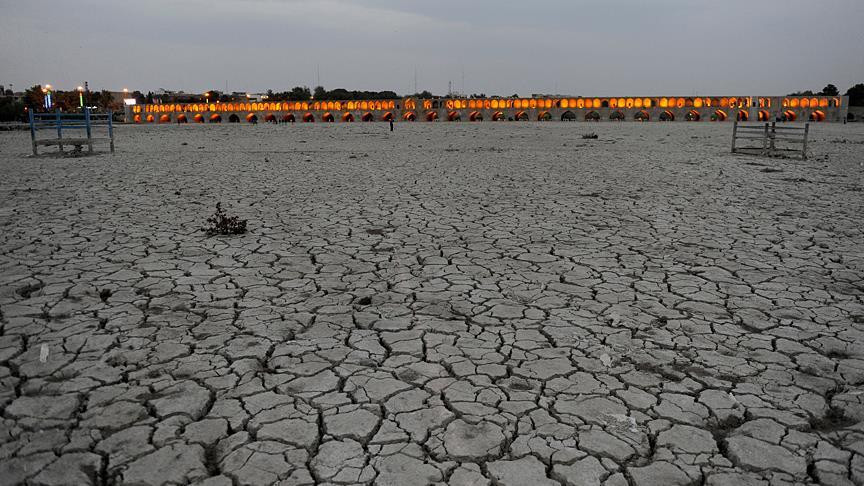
[{"x": 448, "y": 304}]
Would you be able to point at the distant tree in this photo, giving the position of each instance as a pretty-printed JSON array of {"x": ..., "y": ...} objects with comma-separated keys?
[
  {"x": 425, "y": 95},
  {"x": 802, "y": 93},
  {"x": 320, "y": 93},
  {"x": 139, "y": 97},
  {"x": 149, "y": 98},
  {"x": 270, "y": 94},
  {"x": 34, "y": 97},
  {"x": 830, "y": 90},
  {"x": 11, "y": 110},
  {"x": 856, "y": 95}
]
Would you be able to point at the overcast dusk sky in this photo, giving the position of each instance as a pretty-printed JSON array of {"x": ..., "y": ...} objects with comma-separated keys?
[{"x": 574, "y": 47}]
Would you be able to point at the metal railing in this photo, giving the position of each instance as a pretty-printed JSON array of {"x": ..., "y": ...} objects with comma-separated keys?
[
  {"x": 62, "y": 123},
  {"x": 775, "y": 141}
]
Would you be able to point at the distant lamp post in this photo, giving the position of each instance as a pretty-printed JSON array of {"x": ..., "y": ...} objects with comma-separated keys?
[
  {"x": 47, "y": 91},
  {"x": 81, "y": 96},
  {"x": 207, "y": 97}
]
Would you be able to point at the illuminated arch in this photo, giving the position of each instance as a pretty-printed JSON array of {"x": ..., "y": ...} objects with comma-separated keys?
[
  {"x": 568, "y": 116},
  {"x": 308, "y": 118},
  {"x": 215, "y": 118},
  {"x": 628, "y": 103},
  {"x": 454, "y": 116},
  {"x": 817, "y": 115},
  {"x": 181, "y": 118},
  {"x": 270, "y": 118},
  {"x": 387, "y": 116},
  {"x": 692, "y": 115},
  {"x": 233, "y": 118},
  {"x": 348, "y": 117},
  {"x": 789, "y": 115},
  {"x": 719, "y": 115},
  {"x": 616, "y": 116},
  {"x": 165, "y": 119},
  {"x": 805, "y": 103},
  {"x": 327, "y": 117},
  {"x": 794, "y": 102},
  {"x": 592, "y": 116},
  {"x": 544, "y": 116},
  {"x": 764, "y": 115},
  {"x": 642, "y": 116},
  {"x": 580, "y": 103},
  {"x": 252, "y": 118},
  {"x": 137, "y": 118},
  {"x": 743, "y": 115},
  {"x": 475, "y": 116},
  {"x": 498, "y": 116},
  {"x": 367, "y": 117},
  {"x": 198, "y": 118},
  {"x": 409, "y": 116},
  {"x": 288, "y": 118},
  {"x": 680, "y": 103},
  {"x": 667, "y": 116},
  {"x": 521, "y": 116},
  {"x": 431, "y": 115}
]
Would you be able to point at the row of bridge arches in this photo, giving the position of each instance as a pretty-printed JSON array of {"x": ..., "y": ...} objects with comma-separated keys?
[{"x": 328, "y": 117}]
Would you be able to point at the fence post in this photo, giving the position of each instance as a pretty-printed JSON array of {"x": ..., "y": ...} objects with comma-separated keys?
[
  {"x": 32, "y": 130},
  {"x": 111, "y": 129},
  {"x": 772, "y": 147},
  {"x": 765, "y": 141},
  {"x": 734, "y": 135},
  {"x": 87, "y": 126},
  {"x": 59, "y": 129},
  {"x": 806, "y": 132}
]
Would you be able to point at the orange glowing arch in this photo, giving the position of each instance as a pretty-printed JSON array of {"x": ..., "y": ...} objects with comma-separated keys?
[
  {"x": 137, "y": 118},
  {"x": 475, "y": 116},
  {"x": 409, "y": 116},
  {"x": 309, "y": 118},
  {"x": 743, "y": 115},
  {"x": 181, "y": 118},
  {"x": 817, "y": 115},
  {"x": 790, "y": 115},
  {"x": 454, "y": 116},
  {"x": 327, "y": 117},
  {"x": 348, "y": 117},
  {"x": 367, "y": 117},
  {"x": 720, "y": 115},
  {"x": 764, "y": 115},
  {"x": 642, "y": 116},
  {"x": 215, "y": 118},
  {"x": 252, "y": 118},
  {"x": 431, "y": 116},
  {"x": 521, "y": 116},
  {"x": 693, "y": 115},
  {"x": 498, "y": 116},
  {"x": 270, "y": 118},
  {"x": 165, "y": 119},
  {"x": 387, "y": 116},
  {"x": 199, "y": 118},
  {"x": 667, "y": 116},
  {"x": 289, "y": 118}
]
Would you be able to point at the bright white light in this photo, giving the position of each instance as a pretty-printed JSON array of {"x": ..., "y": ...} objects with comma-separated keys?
[{"x": 130, "y": 101}]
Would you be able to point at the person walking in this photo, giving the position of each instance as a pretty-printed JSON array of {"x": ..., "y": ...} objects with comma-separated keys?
[{"x": 391, "y": 124}]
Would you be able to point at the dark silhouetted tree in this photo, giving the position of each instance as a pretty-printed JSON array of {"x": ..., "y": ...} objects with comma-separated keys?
[
  {"x": 830, "y": 90},
  {"x": 856, "y": 95}
]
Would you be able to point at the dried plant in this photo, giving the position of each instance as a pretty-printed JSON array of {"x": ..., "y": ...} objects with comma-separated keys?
[
  {"x": 222, "y": 224},
  {"x": 590, "y": 136}
]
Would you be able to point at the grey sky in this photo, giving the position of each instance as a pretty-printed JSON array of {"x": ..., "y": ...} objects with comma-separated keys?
[{"x": 579, "y": 47}]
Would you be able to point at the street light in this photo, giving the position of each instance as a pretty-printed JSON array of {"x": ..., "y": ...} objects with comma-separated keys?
[
  {"x": 81, "y": 96},
  {"x": 207, "y": 97}
]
